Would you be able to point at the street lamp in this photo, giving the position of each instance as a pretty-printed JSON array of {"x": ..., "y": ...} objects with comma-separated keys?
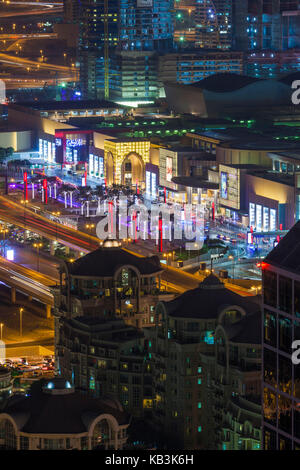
[
  {"x": 21, "y": 310},
  {"x": 1, "y": 331},
  {"x": 38, "y": 246},
  {"x": 232, "y": 258},
  {"x": 24, "y": 201},
  {"x": 90, "y": 227}
]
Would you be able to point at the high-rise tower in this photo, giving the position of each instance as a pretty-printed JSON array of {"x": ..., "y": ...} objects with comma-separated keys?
[
  {"x": 92, "y": 37},
  {"x": 213, "y": 24},
  {"x": 146, "y": 25}
]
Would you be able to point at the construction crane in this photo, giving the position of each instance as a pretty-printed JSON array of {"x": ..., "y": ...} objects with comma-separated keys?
[{"x": 106, "y": 51}]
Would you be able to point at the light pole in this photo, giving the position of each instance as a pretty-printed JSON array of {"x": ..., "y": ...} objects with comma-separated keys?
[
  {"x": 1, "y": 331},
  {"x": 38, "y": 246},
  {"x": 21, "y": 310},
  {"x": 90, "y": 227},
  {"x": 232, "y": 258},
  {"x": 24, "y": 202}
]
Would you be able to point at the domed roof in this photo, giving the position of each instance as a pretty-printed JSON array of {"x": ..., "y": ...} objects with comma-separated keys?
[
  {"x": 41, "y": 412},
  {"x": 207, "y": 301},
  {"x": 211, "y": 282},
  {"x": 108, "y": 258}
]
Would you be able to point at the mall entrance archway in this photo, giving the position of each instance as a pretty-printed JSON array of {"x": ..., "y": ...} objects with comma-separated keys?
[{"x": 132, "y": 170}]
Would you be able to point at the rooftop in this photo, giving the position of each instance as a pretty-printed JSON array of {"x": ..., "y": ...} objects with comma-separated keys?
[
  {"x": 106, "y": 260},
  {"x": 248, "y": 330},
  {"x": 46, "y": 413},
  {"x": 62, "y": 105},
  {"x": 207, "y": 301},
  {"x": 286, "y": 254}
]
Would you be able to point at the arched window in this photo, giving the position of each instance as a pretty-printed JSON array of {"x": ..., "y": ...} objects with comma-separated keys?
[
  {"x": 101, "y": 435},
  {"x": 7, "y": 433}
]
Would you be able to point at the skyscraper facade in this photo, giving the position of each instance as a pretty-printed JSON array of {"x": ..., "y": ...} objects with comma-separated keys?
[
  {"x": 91, "y": 19},
  {"x": 184, "y": 23},
  {"x": 146, "y": 25},
  {"x": 265, "y": 24},
  {"x": 280, "y": 327},
  {"x": 213, "y": 24}
]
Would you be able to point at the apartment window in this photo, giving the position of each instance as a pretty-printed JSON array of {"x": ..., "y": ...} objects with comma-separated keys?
[
  {"x": 297, "y": 298},
  {"x": 270, "y": 328},
  {"x": 285, "y": 294},
  {"x": 285, "y": 374},
  {"x": 199, "y": 404},
  {"x": 285, "y": 333},
  {"x": 270, "y": 367},
  {"x": 270, "y": 288}
]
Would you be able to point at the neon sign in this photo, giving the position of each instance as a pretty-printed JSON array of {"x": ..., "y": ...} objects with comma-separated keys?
[{"x": 74, "y": 142}]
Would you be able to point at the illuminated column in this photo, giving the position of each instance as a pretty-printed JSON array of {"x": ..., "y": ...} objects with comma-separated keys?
[
  {"x": 55, "y": 191},
  {"x": 32, "y": 190}
]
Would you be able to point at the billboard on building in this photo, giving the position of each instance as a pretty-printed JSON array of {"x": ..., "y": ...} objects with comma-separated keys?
[
  {"x": 229, "y": 186},
  {"x": 224, "y": 185},
  {"x": 169, "y": 168}
]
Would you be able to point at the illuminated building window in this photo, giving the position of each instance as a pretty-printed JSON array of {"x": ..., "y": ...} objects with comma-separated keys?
[
  {"x": 199, "y": 404},
  {"x": 199, "y": 428},
  {"x": 199, "y": 370},
  {"x": 147, "y": 403},
  {"x": 199, "y": 381}
]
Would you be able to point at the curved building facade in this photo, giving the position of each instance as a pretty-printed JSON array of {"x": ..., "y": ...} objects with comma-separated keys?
[
  {"x": 55, "y": 417},
  {"x": 228, "y": 94}
]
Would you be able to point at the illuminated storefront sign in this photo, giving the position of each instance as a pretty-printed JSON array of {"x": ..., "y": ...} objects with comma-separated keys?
[
  {"x": 262, "y": 218},
  {"x": 91, "y": 164},
  {"x": 74, "y": 142},
  {"x": 153, "y": 184},
  {"x": 251, "y": 214},
  {"x": 148, "y": 182},
  {"x": 266, "y": 218},
  {"x": 273, "y": 220},
  {"x": 258, "y": 217},
  {"x": 96, "y": 166}
]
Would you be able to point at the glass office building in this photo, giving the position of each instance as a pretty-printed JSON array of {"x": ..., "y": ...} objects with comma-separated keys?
[{"x": 281, "y": 326}]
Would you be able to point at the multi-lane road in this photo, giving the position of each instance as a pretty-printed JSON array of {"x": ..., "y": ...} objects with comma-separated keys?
[{"x": 18, "y": 215}]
